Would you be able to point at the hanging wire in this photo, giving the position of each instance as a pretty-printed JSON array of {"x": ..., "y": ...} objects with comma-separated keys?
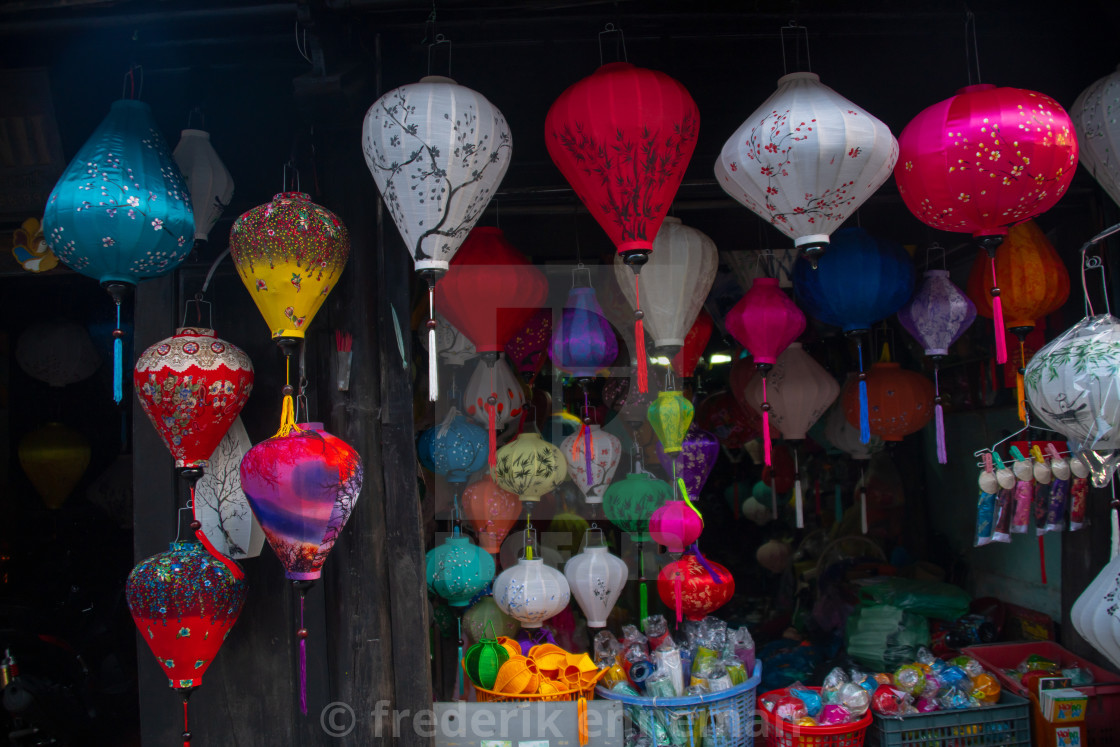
[
  {"x": 130, "y": 89},
  {"x": 439, "y": 40},
  {"x": 198, "y": 304},
  {"x": 1095, "y": 262},
  {"x": 800, "y": 32},
  {"x": 620, "y": 42},
  {"x": 974, "y": 47},
  {"x": 302, "y": 49}
]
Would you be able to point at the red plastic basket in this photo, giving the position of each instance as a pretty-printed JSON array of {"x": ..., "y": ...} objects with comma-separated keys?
[{"x": 781, "y": 733}]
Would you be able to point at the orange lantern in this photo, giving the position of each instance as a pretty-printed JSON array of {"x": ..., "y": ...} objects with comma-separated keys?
[
  {"x": 899, "y": 402},
  {"x": 491, "y": 511}
]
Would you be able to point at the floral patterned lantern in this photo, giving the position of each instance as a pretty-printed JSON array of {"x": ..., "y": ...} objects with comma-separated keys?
[
  {"x": 1098, "y": 131},
  {"x": 57, "y": 353},
  {"x": 208, "y": 180},
  {"x": 526, "y": 350},
  {"x": 458, "y": 569},
  {"x": 694, "y": 462},
  {"x": 497, "y": 381},
  {"x": 606, "y": 452},
  {"x": 531, "y": 592},
  {"x": 800, "y": 391},
  {"x": 900, "y": 402},
  {"x": 491, "y": 511},
  {"x": 695, "y": 342},
  {"x": 984, "y": 160},
  {"x": 529, "y": 466},
  {"x": 455, "y": 448},
  {"x": 695, "y": 586},
  {"x": 596, "y": 579},
  {"x": 806, "y": 159},
  {"x": 121, "y": 212},
  {"x": 670, "y": 415},
  {"x": 629, "y": 503}
]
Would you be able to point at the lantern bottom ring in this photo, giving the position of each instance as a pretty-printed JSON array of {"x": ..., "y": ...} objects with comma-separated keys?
[
  {"x": 635, "y": 258},
  {"x": 811, "y": 240},
  {"x": 1021, "y": 331},
  {"x": 289, "y": 346}
]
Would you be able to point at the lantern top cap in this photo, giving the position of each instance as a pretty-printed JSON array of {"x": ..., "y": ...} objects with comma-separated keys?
[
  {"x": 186, "y": 545},
  {"x": 291, "y": 196},
  {"x": 438, "y": 79},
  {"x": 195, "y": 331},
  {"x": 767, "y": 281},
  {"x": 977, "y": 88},
  {"x": 131, "y": 104},
  {"x": 672, "y": 219},
  {"x": 799, "y": 76},
  {"x": 936, "y": 273},
  {"x": 195, "y": 133}
]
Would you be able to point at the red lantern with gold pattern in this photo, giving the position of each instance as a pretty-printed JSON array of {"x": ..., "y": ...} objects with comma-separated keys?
[
  {"x": 695, "y": 586},
  {"x": 900, "y": 402}
]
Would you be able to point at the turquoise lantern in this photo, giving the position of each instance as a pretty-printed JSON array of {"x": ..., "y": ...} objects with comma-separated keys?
[
  {"x": 458, "y": 570},
  {"x": 455, "y": 448},
  {"x": 121, "y": 211}
]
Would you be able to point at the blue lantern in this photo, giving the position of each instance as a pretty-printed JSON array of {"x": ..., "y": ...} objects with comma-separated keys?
[
  {"x": 458, "y": 569},
  {"x": 121, "y": 211},
  {"x": 583, "y": 342},
  {"x": 455, "y": 448}
]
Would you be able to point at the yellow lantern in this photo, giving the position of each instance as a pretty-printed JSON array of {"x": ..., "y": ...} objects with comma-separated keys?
[
  {"x": 54, "y": 457},
  {"x": 670, "y": 415},
  {"x": 529, "y": 466}
]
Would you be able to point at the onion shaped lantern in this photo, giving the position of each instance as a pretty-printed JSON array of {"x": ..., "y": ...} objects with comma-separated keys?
[
  {"x": 497, "y": 382},
  {"x": 596, "y": 578},
  {"x": 900, "y": 402},
  {"x": 676, "y": 525},
  {"x": 694, "y": 586},
  {"x": 531, "y": 591},
  {"x": 629, "y": 503},
  {"x": 455, "y": 448},
  {"x": 529, "y": 466},
  {"x": 458, "y": 569}
]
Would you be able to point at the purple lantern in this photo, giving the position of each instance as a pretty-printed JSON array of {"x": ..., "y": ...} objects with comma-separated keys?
[
  {"x": 583, "y": 342},
  {"x": 936, "y": 317},
  {"x": 694, "y": 461}
]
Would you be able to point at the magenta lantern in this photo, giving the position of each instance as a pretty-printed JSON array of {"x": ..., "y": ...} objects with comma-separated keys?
[{"x": 675, "y": 525}]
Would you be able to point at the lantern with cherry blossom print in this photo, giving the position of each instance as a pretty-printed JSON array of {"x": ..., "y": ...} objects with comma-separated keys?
[
  {"x": 805, "y": 160},
  {"x": 596, "y": 578},
  {"x": 497, "y": 381},
  {"x": 694, "y": 586},
  {"x": 1098, "y": 131},
  {"x": 606, "y": 452},
  {"x": 900, "y": 402},
  {"x": 984, "y": 160}
]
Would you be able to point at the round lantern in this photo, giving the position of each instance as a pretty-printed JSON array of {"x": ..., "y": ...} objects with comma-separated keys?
[
  {"x": 483, "y": 660},
  {"x": 722, "y": 415},
  {"x": 1098, "y": 131},
  {"x": 596, "y": 579},
  {"x": 606, "y": 452},
  {"x": 485, "y": 619},
  {"x": 451, "y": 344},
  {"x": 806, "y": 159},
  {"x": 694, "y": 462},
  {"x": 845, "y": 436},
  {"x": 800, "y": 390},
  {"x": 695, "y": 587},
  {"x": 531, "y": 592},
  {"x": 491, "y": 511},
  {"x": 192, "y": 386},
  {"x": 455, "y": 448},
  {"x": 1071, "y": 383},
  {"x": 208, "y": 180},
  {"x": 583, "y": 343},
  {"x": 458, "y": 569},
  {"x": 527, "y": 348},
  {"x": 495, "y": 380},
  {"x": 670, "y": 415},
  {"x": 676, "y": 525},
  {"x": 54, "y": 457},
  {"x": 900, "y": 402},
  {"x": 695, "y": 342},
  {"x": 289, "y": 254},
  {"x": 58, "y": 353},
  {"x": 529, "y": 466},
  {"x": 629, "y": 503}
]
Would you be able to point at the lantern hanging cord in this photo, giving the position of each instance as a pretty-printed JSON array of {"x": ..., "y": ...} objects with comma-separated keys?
[
  {"x": 1095, "y": 262},
  {"x": 971, "y": 47},
  {"x": 302, "y": 49},
  {"x": 213, "y": 267},
  {"x": 302, "y": 634},
  {"x": 130, "y": 89},
  {"x": 186, "y": 723},
  {"x": 620, "y": 42},
  {"x": 801, "y": 31}
]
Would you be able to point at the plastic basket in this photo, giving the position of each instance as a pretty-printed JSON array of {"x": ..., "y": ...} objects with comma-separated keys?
[
  {"x": 1007, "y": 724},
  {"x": 1102, "y": 714},
  {"x": 490, "y": 696},
  {"x": 720, "y": 719},
  {"x": 781, "y": 733}
]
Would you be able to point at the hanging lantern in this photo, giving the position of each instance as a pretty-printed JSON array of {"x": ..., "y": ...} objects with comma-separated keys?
[
  {"x": 54, "y": 457},
  {"x": 458, "y": 569},
  {"x": 670, "y": 415},
  {"x": 451, "y": 344},
  {"x": 184, "y": 603},
  {"x": 694, "y": 462},
  {"x": 606, "y": 452},
  {"x": 192, "y": 387},
  {"x": 694, "y": 586},
  {"x": 121, "y": 212},
  {"x": 583, "y": 343},
  {"x": 622, "y": 396},
  {"x": 208, "y": 180},
  {"x": 526, "y": 350},
  {"x": 491, "y": 511},
  {"x": 483, "y": 660},
  {"x": 630, "y": 503},
  {"x": 937, "y": 317},
  {"x": 57, "y": 353},
  {"x": 496, "y": 380},
  {"x": 289, "y": 254},
  {"x": 900, "y": 402},
  {"x": 623, "y": 137},
  {"x": 765, "y": 322},
  {"x": 455, "y": 448},
  {"x": 596, "y": 579},
  {"x": 220, "y": 504},
  {"x": 1098, "y": 131},
  {"x": 727, "y": 420},
  {"x": 806, "y": 160},
  {"x": 842, "y": 434},
  {"x": 695, "y": 342},
  {"x": 800, "y": 390},
  {"x": 676, "y": 525},
  {"x": 531, "y": 592},
  {"x": 529, "y": 466},
  {"x": 485, "y": 616},
  {"x": 984, "y": 160}
]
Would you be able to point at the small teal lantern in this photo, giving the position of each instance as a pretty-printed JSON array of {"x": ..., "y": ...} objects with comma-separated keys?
[
  {"x": 455, "y": 448},
  {"x": 458, "y": 570},
  {"x": 121, "y": 211}
]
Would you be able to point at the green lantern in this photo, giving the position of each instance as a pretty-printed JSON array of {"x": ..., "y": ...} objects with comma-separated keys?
[
  {"x": 486, "y": 613},
  {"x": 670, "y": 415},
  {"x": 484, "y": 659},
  {"x": 629, "y": 503},
  {"x": 458, "y": 569}
]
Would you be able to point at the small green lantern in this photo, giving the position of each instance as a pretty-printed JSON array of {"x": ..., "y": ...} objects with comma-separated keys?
[
  {"x": 484, "y": 659},
  {"x": 670, "y": 415},
  {"x": 629, "y": 503}
]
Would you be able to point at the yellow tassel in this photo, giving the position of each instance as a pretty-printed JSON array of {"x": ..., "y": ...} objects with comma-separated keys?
[
  {"x": 1020, "y": 392},
  {"x": 287, "y": 418}
]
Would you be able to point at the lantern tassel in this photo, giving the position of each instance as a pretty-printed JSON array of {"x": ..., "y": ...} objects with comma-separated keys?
[
  {"x": 640, "y": 337},
  {"x": 798, "y": 498},
  {"x": 118, "y": 358},
  {"x": 643, "y": 592},
  {"x": 939, "y": 419},
  {"x": 864, "y": 414},
  {"x": 1020, "y": 392},
  {"x": 678, "y": 596},
  {"x": 997, "y": 317},
  {"x": 433, "y": 358},
  {"x": 766, "y": 449},
  {"x": 288, "y": 406},
  {"x": 302, "y": 657},
  {"x": 186, "y": 721}
]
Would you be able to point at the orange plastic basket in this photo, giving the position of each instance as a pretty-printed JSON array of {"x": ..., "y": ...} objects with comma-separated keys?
[
  {"x": 489, "y": 696},
  {"x": 780, "y": 733}
]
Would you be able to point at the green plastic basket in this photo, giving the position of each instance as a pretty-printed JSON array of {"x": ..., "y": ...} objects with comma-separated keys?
[{"x": 1008, "y": 723}]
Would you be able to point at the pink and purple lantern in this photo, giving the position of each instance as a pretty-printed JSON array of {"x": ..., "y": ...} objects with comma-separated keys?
[
  {"x": 694, "y": 462},
  {"x": 677, "y": 524}
]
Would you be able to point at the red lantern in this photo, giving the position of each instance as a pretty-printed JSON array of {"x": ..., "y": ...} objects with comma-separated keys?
[
  {"x": 900, "y": 402},
  {"x": 684, "y": 362},
  {"x": 491, "y": 511},
  {"x": 733, "y": 425},
  {"x": 695, "y": 586}
]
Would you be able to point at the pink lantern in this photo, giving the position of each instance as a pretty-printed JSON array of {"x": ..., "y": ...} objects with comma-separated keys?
[
  {"x": 800, "y": 392},
  {"x": 675, "y": 525}
]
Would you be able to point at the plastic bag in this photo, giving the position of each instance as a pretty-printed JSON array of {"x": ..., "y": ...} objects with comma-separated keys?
[
  {"x": 934, "y": 599},
  {"x": 882, "y": 637},
  {"x": 1078, "y": 492}
]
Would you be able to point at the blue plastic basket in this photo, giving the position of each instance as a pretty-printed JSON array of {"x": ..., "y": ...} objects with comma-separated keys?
[{"x": 722, "y": 719}]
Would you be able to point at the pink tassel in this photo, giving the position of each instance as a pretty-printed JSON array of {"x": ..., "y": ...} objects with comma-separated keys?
[
  {"x": 997, "y": 319},
  {"x": 765, "y": 424},
  {"x": 640, "y": 339}
]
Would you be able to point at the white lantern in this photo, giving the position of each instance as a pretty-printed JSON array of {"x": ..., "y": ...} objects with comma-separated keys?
[
  {"x": 437, "y": 151},
  {"x": 1094, "y": 614},
  {"x": 606, "y": 451},
  {"x": 1094, "y": 116},
  {"x": 531, "y": 592},
  {"x": 453, "y": 345},
  {"x": 674, "y": 282},
  {"x": 799, "y": 391},
  {"x": 208, "y": 180},
  {"x": 806, "y": 159},
  {"x": 1072, "y": 383},
  {"x": 500, "y": 381},
  {"x": 845, "y": 436},
  {"x": 58, "y": 353},
  {"x": 220, "y": 503},
  {"x": 596, "y": 578}
]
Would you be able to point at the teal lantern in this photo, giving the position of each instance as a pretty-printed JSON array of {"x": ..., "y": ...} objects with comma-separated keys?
[
  {"x": 455, "y": 448},
  {"x": 121, "y": 211},
  {"x": 459, "y": 569},
  {"x": 629, "y": 503}
]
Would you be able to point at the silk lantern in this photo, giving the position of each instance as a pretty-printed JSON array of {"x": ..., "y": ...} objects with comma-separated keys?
[
  {"x": 805, "y": 160},
  {"x": 54, "y": 457},
  {"x": 900, "y": 402},
  {"x": 695, "y": 343},
  {"x": 984, "y": 160},
  {"x": 800, "y": 391},
  {"x": 485, "y": 616},
  {"x": 529, "y": 466},
  {"x": 458, "y": 569},
  {"x": 722, "y": 415},
  {"x": 694, "y": 462},
  {"x": 765, "y": 322},
  {"x": 455, "y": 448},
  {"x": 184, "y": 603},
  {"x": 498, "y": 381},
  {"x": 451, "y": 344},
  {"x": 676, "y": 525},
  {"x": 526, "y": 350},
  {"x": 670, "y": 415},
  {"x": 583, "y": 343},
  {"x": 629, "y": 503},
  {"x": 220, "y": 504},
  {"x": 208, "y": 180},
  {"x": 605, "y": 454},
  {"x": 289, "y": 254},
  {"x": 121, "y": 212},
  {"x": 623, "y": 137},
  {"x": 531, "y": 592},
  {"x": 57, "y": 353},
  {"x": 596, "y": 578},
  {"x": 695, "y": 586},
  {"x": 1098, "y": 131},
  {"x": 936, "y": 317},
  {"x": 491, "y": 511}
]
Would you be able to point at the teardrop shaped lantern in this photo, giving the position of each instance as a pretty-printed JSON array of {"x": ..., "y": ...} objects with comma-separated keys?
[
  {"x": 676, "y": 525},
  {"x": 121, "y": 212},
  {"x": 1098, "y": 131},
  {"x": 629, "y": 503},
  {"x": 670, "y": 415},
  {"x": 498, "y": 381},
  {"x": 531, "y": 592},
  {"x": 694, "y": 586},
  {"x": 491, "y": 511},
  {"x": 208, "y": 180},
  {"x": 596, "y": 578},
  {"x": 527, "y": 349},
  {"x": 54, "y": 457},
  {"x": 805, "y": 160},
  {"x": 606, "y": 452},
  {"x": 583, "y": 343},
  {"x": 289, "y": 254},
  {"x": 694, "y": 462},
  {"x": 455, "y": 448},
  {"x": 529, "y": 466},
  {"x": 984, "y": 160},
  {"x": 900, "y": 402},
  {"x": 800, "y": 390},
  {"x": 695, "y": 343},
  {"x": 458, "y": 569}
]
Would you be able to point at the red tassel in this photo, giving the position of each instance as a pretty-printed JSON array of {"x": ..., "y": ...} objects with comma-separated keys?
[
  {"x": 186, "y": 729},
  {"x": 765, "y": 424},
  {"x": 679, "y": 597},
  {"x": 491, "y": 415},
  {"x": 997, "y": 320},
  {"x": 228, "y": 562},
  {"x": 1042, "y": 558},
  {"x": 640, "y": 338}
]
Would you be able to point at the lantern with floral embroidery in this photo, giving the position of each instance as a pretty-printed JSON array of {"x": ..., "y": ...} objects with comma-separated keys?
[
  {"x": 629, "y": 503},
  {"x": 670, "y": 415},
  {"x": 695, "y": 460},
  {"x": 695, "y": 586}
]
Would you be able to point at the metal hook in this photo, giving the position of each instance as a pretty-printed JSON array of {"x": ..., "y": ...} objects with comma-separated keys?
[
  {"x": 610, "y": 28},
  {"x": 794, "y": 26},
  {"x": 439, "y": 40},
  {"x": 198, "y": 303},
  {"x": 581, "y": 267},
  {"x": 936, "y": 247},
  {"x": 289, "y": 164},
  {"x": 1095, "y": 262}
]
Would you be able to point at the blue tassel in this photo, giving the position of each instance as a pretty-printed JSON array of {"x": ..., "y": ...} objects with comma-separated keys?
[
  {"x": 118, "y": 356},
  {"x": 864, "y": 417}
]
